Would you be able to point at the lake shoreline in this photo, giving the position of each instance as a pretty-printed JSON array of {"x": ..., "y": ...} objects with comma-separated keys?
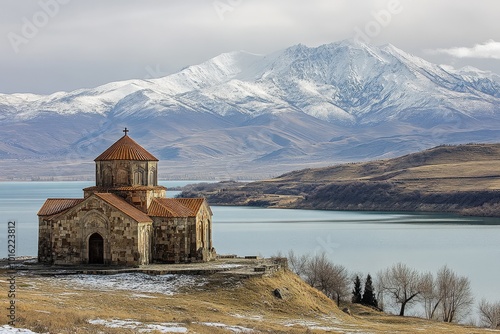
[{"x": 347, "y": 196}]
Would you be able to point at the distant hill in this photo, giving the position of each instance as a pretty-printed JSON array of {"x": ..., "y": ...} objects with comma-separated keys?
[
  {"x": 463, "y": 178},
  {"x": 242, "y": 115}
]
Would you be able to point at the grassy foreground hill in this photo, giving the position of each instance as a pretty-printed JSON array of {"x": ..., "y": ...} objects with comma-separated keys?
[
  {"x": 463, "y": 179},
  {"x": 62, "y": 304}
]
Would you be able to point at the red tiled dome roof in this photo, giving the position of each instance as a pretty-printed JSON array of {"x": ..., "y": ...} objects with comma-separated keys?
[{"x": 126, "y": 149}]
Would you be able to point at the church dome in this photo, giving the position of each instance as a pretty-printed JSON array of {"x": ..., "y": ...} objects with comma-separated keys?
[{"x": 126, "y": 149}]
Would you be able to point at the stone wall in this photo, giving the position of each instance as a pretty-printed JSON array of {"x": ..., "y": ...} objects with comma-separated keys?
[
  {"x": 141, "y": 198},
  {"x": 187, "y": 239},
  {"x": 69, "y": 242},
  {"x": 121, "y": 173},
  {"x": 170, "y": 239},
  {"x": 202, "y": 243},
  {"x": 44, "y": 241}
]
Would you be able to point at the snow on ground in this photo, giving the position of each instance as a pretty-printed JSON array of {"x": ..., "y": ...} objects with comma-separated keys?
[
  {"x": 141, "y": 295},
  {"x": 250, "y": 317},
  {"x": 6, "y": 329},
  {"x": 234, "y": 329},
  {"x": 228, "y": 265},
  {"x": 169, "y": 327},
  {"x": 313, "y": 325},
  {"x": 139, "y": 327},
  {"x": 300, "y": 322},
  {"x": 137, "y": 282}
]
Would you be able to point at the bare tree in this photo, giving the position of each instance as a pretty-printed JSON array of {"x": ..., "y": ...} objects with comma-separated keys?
[
  {"x": 455, "y": 294},
  {"x": 319, "y": 272},
  {"x": 402, "y": 284},
  {"x": 341, "y": 282},
  {"x": 489, "y": 314},
  {"x": 316, "y": 271},
  {"x": 297, "y": 263},
  {"x": 429, "y": 296},
  {"x": 379, "y": 288}
]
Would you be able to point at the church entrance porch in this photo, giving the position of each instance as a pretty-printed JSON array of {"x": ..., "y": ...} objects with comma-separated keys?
[{"x": 96, "y": 249}]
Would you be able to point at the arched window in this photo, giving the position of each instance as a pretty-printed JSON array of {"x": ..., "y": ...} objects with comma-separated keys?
[
  {"x": 139, "y": 177},
  {"x": 152, "y": 177}
]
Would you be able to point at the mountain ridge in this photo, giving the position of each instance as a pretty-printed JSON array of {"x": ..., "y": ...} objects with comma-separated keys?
[{"x": 300, "y": 106}]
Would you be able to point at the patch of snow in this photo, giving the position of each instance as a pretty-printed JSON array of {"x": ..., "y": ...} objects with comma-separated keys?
[
  {"x": 299, "y": 322},
  {"x": 330, "y": 329},
  {"x": 14, "y": 265},
  {"x": 6, "y": 329},
  {"x": 331, "y": 319},
  {"x": 316, "y": 326},
  {"x": 116, "y": 323},
  {"x": 68, "y": 293},
  {"x": 137, "y": 282},
  {"x": 228, "y": 265},
  {"x": 140, "y": 295},
  {"x": 234, "y": 329},
  {"x": 140, "y": 327},
  {"x": 250, "y": 317}
]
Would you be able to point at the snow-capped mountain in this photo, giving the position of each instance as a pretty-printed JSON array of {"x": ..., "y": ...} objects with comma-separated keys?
[{"x": 336, "y": 102}]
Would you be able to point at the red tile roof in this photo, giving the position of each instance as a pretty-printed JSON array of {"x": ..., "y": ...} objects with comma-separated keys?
[
  {"x": 120, "y": 204},
  {"x": 193, "y": 203},
  {"x": 169, "y": 207},
  {"x": 56, "y": 205},
  {"x": 126, "y": 149},
  {"x": 159, "y": 207}
]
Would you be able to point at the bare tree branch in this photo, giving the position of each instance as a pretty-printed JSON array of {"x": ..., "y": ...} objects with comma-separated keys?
[
  {"x": 319, "y": 272},
  {"x": 489, "y": 314},
  {"x": 455, "y": 294},
  {"x": 402, "y": 284}
]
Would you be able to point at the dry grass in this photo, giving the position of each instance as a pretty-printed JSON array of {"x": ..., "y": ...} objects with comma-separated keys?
[
  {"x": 52, "y": 305},
  {"x": 470, "y": 167}
]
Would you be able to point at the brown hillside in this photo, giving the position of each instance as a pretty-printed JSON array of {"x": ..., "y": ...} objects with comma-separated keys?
[
  {"x": 442, "y": 163},
  {"x": 223, "y": 305},
  {"x": 463, "y": 179}
]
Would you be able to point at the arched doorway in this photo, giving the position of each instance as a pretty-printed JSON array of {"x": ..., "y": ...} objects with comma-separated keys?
[{"x": 96, "y": 249}]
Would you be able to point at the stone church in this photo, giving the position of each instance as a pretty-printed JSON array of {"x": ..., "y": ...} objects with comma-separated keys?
[{"x": 125, "y": 219}]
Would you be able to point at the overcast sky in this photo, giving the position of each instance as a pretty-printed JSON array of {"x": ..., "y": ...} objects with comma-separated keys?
[{"x": 62, "y": 45}]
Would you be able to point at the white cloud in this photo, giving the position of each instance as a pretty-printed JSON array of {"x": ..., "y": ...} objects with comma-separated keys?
[{"x": 488, "y": 50}]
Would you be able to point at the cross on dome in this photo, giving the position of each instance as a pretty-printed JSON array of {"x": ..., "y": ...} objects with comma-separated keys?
[{"x": 126, "y": 149}]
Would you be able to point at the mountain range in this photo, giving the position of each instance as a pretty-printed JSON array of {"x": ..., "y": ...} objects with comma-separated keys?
[{"x": 242, "y": 115}]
